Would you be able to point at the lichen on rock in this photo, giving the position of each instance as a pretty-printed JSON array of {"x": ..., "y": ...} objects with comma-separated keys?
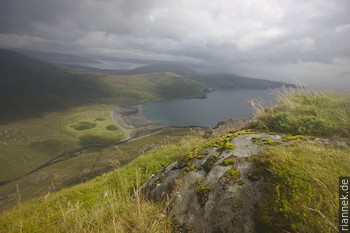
[{"x": 216, "y": 187}]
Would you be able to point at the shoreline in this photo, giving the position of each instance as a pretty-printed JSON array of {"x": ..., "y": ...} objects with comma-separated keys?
[
  {"x": 133, "y": 122},
  {"x": 118, "y": 120},
  {"x": 131, "y": 119}
]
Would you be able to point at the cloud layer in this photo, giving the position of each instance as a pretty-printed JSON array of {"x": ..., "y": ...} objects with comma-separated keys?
[{"x": 291, "y": 39}]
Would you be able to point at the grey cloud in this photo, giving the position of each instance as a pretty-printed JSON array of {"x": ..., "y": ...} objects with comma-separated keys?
[{"x": 228, "y": 35}]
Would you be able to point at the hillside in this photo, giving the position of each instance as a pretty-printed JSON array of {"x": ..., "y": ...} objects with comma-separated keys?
[
  {"x": 30, "y": 87},
  {"x": 231, "y": 81},
  {"x": 301, "y": 172},
  {"x": 25, "y": 74},
  {"x": 214, "y": 81},
  {"x": 55, "y": 121},
  {"x": 181, "y": 70}
]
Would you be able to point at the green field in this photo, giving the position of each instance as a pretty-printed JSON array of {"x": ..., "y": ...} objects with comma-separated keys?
[
  {"x": 92, "y": 126},
  {"x": 104, "y": 204},
  {"x": 50, "y": 139}
]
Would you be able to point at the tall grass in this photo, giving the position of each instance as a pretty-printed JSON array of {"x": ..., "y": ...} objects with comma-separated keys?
[
  {"x": 302, "y": 111},
  {"x": 118, "y": 211},
  {"x": 303, "y": 178},
  {"x": 108, "y": 203}
]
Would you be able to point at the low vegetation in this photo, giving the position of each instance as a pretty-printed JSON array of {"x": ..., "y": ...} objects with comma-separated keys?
[
  {"x": 108, "y": 203},
  {"x": 92, "y": 125},
  {"x": 304, "y": 112},
  {"x": 228, "y": 161},
  {"x": 83, "y": 125},
  {"x": 111, "y": 127},
  {"x": 72, "y": 111},
  {"x": 233, "y": 173},
  {"x": 303, "y": 177},
  {"x": 303, "y": 195},
  {"x": 68, "y": 169}
]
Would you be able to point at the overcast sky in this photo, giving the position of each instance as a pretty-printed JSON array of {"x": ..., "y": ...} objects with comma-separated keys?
[{"x": 290, "y": 40}]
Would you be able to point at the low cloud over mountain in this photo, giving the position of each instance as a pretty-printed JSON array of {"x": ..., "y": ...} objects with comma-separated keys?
[{"x": 298, "y": 40}]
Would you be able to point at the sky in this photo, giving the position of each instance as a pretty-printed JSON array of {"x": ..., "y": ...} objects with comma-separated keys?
[{"x": 304, "y": 41}]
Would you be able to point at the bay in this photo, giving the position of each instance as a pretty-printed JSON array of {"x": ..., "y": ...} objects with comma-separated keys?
[{"x": 218, "y": 106}]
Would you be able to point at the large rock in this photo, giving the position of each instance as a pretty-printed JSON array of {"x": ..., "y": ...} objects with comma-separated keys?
[{"x": 216, "y": 187}]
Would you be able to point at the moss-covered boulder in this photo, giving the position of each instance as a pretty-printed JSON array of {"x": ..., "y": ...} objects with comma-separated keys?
[{"x": 213, "y": 189}]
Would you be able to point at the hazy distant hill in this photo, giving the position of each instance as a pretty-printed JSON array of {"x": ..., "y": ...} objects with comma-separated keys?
[
  {"x": 22, "y": 75},
  {"x": 30, "y": 87},
  {"x": 57, "y": 57},
  {"x": 181, "y": 70},
  {"x": 160, "y": 68},
  {"x": 217, "y": 81},
  {"x": 231, "y": 81}
]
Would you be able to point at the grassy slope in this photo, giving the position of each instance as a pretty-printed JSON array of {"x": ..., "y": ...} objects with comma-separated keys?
[
  {"x": 70, "y": 169},
  {"x": 231, "y": 81},
  {"x": 42, "y": 102},
  {"x": 30, "y": 88},
  {"x": 28, "y": 143},
  {"x": 104, "y": 204},
  {"x": 302, "y": 197},
  {"x": 307, "y": 112},
  {"x": 303, "y": 178},
  {"x": 133, "y": 88},
  {"x": 100, "y": 121}
]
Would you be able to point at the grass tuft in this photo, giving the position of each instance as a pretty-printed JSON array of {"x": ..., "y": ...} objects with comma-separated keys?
[{"x": 304, "y": 112}]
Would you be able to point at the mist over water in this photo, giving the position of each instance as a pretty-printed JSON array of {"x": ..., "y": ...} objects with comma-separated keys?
[{"x": 218, "y": 106}]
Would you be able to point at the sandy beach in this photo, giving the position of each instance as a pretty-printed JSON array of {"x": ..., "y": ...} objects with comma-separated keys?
[{"x": 133, "y": 122}]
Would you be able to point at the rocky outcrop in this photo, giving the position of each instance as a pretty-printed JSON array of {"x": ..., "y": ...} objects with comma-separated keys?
[
  {"x": 216, "y": 187},
  {"x": 231, "y": 125}
]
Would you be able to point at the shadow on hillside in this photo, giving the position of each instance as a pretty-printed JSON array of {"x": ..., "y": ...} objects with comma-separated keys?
[
  {"x": 29, "y": 87},
  {"x": 19, "y": 103}
]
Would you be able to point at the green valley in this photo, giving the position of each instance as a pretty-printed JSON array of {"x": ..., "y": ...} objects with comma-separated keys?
[
  {"x": 51, "y": 114},
  {"x": 57, "y": 128},
  {"x": 302, "y": 177}
]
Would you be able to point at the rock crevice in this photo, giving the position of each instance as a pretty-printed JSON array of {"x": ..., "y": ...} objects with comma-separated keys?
[{"x": 216, "y": 187}]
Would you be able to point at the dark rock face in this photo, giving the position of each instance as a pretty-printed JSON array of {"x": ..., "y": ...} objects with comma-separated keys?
[{"x": 216, "y": 191}]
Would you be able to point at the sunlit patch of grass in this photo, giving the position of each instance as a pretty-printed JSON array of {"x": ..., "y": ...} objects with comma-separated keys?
[
  {"x": 133, "y": 88},
  {"x": 303, "y": 188},
  {"x": 87, "y": 126}
]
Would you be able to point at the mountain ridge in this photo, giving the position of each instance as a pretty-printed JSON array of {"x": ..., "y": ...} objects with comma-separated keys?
[
  {"x": 213, "y": 80},
  {"x": 27, "y": 81}
]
